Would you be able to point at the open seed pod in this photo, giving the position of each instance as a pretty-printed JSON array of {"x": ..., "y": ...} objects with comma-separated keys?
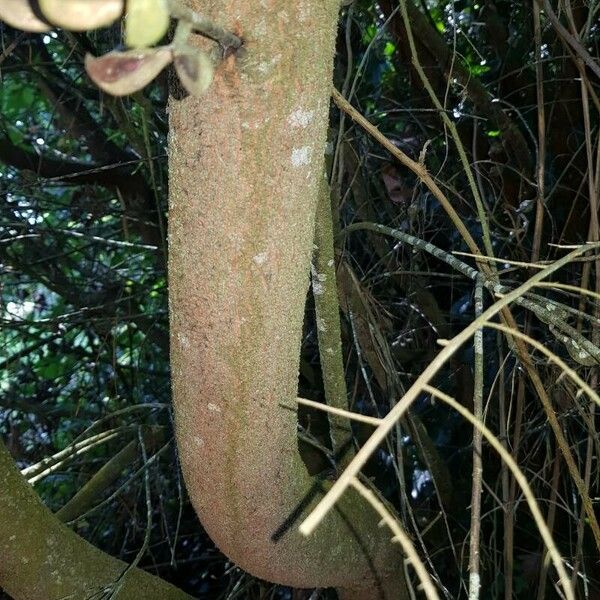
[
  {"x": 146, "y": 22},
  {"x": 19, "y": 14},
  {"x": 122, "y": 73},
  {"x": 195, "y": 70},
  {"x": 81, "y": 15}
]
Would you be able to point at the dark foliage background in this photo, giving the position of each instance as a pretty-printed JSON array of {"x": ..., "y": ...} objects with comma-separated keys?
[{"x": 83, "y": 288}]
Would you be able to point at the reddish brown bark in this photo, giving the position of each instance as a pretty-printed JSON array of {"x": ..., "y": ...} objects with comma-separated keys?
[{"x": 245, "y": 166}]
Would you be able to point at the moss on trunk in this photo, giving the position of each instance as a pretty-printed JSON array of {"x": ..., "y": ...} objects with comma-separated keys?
[{"x": 42, "y": 559}]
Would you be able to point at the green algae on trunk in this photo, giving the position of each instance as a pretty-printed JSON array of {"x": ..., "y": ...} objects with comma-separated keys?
[{"x": 42, "y": 559}]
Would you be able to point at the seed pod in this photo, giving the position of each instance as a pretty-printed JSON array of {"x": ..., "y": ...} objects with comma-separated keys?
[
  {"x": 81, "y": 15},
  {"x": 122, "y": 73},
  {"x": 195, "y": 70},
  {"x": 146, "y": 22},
  {"x": 18, "y": 14}
]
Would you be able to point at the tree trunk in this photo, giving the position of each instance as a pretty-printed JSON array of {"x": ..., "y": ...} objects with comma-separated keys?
[
  {"x": 42, "y": 559},
  {"x": 245, "y": 168}
]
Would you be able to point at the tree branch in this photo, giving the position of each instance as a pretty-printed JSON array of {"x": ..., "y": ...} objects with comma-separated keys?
[{"x": 42, "y": 559}]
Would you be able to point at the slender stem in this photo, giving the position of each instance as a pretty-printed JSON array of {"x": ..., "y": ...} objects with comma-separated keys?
[
  {"x": 579, "y": 347},
  {"x": 400, "y": 536},
  {"x": 474, "y": 576},
  {"x": 118, "y": 586},
  {"x": 417, "y": 168},
  {"x": 568, "y": 38},
  {"x": 523, "y": 484},
  {"x": 550, "y": 520},
  {"x": 85, "y": 497},
  {"x": 481, "y": 213},
  {"x": 389, "y": 421},
  {"x": 541, "y": 145},
  {"x": 327, "y": 308}
]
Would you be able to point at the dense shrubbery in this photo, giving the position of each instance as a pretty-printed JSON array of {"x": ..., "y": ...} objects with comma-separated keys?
[{"x": 83, "y": 219}]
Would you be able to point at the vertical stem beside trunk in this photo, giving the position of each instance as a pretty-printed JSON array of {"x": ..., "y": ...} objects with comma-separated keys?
[{"x": 327, "y": 313}]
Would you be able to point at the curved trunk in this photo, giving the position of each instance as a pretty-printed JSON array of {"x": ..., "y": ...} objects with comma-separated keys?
[{"x": 245, "y": 168}]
